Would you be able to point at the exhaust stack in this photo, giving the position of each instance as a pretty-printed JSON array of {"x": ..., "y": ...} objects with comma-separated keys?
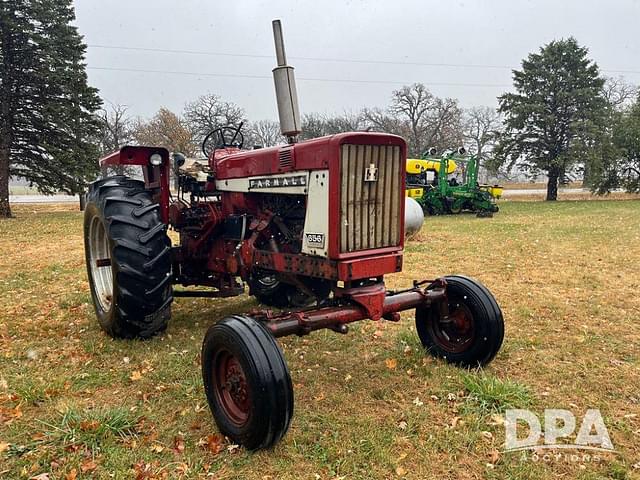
[{"x": 286, "y": 93}]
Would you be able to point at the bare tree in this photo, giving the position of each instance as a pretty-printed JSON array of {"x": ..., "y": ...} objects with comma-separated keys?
[
  {"x": 313, "y": 126},
  {"x": 481, "y": 130},
  {"x": 115, "y": 128},
  {"x": 209, "y": 112},
  {"x": 382, "y": 121},
  {"x": 165, "y": 129},
  {"x": 412, "y": 103},
  {"x": 619, "y": 93},
  {"x": 481, "y": 126},
  {"x": 265, "y": 133},
  {"x": 422, "y": 118},
  {"x": 346, "y": 122},
  {"x": 317, "y": 125},
  {"x": 116, "y": 131}
]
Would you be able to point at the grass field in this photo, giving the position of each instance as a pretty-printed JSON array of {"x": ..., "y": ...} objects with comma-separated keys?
[{"x": 77, "y": 404}]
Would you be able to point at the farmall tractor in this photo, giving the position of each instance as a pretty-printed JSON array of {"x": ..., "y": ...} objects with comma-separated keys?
[{"x": 311, "y": 227}]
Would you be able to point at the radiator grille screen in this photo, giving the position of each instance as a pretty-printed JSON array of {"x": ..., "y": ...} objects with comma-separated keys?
[{"x": 369, "y": 210}]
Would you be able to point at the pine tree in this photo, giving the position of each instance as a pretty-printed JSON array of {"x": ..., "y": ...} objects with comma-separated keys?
[
  {"x": 47, "y": 126},
  {"x": 553, "y": 119}
]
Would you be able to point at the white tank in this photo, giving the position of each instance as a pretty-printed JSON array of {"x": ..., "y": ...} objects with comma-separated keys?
[{"x": 413, "y": 217}]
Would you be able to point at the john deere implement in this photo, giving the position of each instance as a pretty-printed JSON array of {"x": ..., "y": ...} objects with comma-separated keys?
[{"x": 449, "y": 184}]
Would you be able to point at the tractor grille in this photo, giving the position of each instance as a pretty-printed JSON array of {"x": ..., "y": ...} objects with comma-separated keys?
[{"x": 369, "y": 211}]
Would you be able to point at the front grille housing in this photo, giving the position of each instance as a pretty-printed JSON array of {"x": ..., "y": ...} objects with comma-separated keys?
[{"x": 370, "y": 211}]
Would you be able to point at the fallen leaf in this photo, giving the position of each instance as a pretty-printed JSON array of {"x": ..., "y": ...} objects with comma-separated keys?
[
  {"x": 213, "y": 444},
  {"x": 135, "y": 375},
  {"x": 17, "y": 412},
  {"x": 494, "y": 456},
  {"x": 142, "y": 470},
  {"x": 72, "y": 475},
  {"x": 42, "y": 476},
  {"x": 178, "y": 444},
  {"x": 88, "y": 466},
  {"x": 156, "y": 448},
  {"x": 3, "y": 446},
  {"x": 89, "y": 426},
  {"x": 391, "y": 363}
]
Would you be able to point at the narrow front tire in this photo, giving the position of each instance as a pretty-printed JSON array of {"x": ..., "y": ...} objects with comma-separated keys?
[
  {"x": 472, "y": 334},
  {"x": 247, "y": 382}
]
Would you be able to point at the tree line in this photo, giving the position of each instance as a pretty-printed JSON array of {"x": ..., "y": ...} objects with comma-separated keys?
[
  {"x": 562, "y": 119},
  {"x": 414, "y": 113}
]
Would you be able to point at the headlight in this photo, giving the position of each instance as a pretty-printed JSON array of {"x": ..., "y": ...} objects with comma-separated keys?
[{"x": 155, "y": 159}]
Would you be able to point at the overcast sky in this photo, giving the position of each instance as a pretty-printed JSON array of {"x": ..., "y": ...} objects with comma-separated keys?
[{"x": 397, "y": 35}]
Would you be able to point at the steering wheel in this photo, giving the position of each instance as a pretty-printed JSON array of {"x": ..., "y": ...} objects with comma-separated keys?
[{"x": 221, "y": 136}]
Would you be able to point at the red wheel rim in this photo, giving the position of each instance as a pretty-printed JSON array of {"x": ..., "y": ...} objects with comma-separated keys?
[
  {"x": 231, "y": 388},
  {"x": 455, "y": 334}
]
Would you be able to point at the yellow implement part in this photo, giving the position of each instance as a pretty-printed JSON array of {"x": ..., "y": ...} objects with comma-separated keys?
[
  {"x": 415, "y": 165},
  {"x": 414, "y": 192},
  {"x": 494, "y": 190}
]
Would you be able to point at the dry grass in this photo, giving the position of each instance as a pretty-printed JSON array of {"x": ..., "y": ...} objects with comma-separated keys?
[
  {"x": 570, "y": 194},
  {"x": 75, "y": 403},
  {"x": 536, "y": 185}
]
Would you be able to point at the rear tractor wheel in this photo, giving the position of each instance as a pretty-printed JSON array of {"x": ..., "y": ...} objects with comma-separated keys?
[
  {"x": 472, "y": 334},
  {"x": 127, "y": 253},
  {"x": 247, "y": 382}
]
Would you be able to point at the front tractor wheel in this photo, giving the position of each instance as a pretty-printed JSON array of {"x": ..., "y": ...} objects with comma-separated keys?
[
  {"x": 127, "y": 252},
  {"x": 247, "y": 382},
  {"x": 472, "y": 333}
]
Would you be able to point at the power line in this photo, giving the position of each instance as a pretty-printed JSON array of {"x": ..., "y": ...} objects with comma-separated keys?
[
  {"x": 305, "y": 79},
  {"x": 313, "y": 59},
  {"x": 319, "y": 59}
]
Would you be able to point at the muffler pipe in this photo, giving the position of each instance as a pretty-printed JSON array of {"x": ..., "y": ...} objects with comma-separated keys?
[{"x": 286, "y": 92}]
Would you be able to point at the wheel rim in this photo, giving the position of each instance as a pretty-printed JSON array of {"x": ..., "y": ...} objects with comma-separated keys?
[
  {"x": 456, "y": 333},
  {"x": 100, "y": 263},
  {"x": 231, "y": 388},
  {"x": 268, "y": 281}
]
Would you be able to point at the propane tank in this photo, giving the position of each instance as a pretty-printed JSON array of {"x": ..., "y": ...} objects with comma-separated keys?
[
  {"x": 413, "y": 217},
  {"x": 286, "y": 92}
]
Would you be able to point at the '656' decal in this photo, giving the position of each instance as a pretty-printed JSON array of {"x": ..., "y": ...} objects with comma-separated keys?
[{"x": 315, "y": 240}]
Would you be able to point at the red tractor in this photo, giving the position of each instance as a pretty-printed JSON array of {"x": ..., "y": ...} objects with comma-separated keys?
[{"x": 311, "y": 227}]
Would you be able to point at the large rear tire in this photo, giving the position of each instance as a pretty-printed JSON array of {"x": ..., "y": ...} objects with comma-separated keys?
[
  {"x": 128, "y": 253},
  {"x": 472, "y": 334},
  {"x": 247, "y": 382}
]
